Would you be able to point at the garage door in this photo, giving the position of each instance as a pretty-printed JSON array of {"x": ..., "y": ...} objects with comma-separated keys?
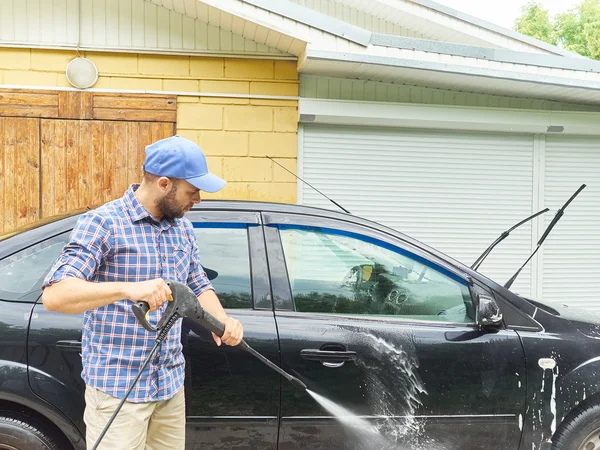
[
  {"x": 572, "y": 252},
  {"x": 455, "y": 191}
]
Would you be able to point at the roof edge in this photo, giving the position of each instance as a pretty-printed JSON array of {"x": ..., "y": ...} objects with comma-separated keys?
[
  {"x": 314, "y": 19},
  {"x": 449, "y": 68},
  {"x": 490, "y": 54},
  {"x": 495, "y": 28}
]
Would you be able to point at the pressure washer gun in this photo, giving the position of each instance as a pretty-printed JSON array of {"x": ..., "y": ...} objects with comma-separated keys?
[{"x": 183, "y": 303}]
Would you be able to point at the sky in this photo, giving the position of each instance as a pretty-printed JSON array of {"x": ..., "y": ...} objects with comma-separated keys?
[{"x": 504, "y": 12}]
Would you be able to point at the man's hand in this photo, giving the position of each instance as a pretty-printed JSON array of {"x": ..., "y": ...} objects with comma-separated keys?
[
  {"x": 233, "y": 335},
  {"x": 154, "y": 292},
  {"x": 234, "y": 331}
]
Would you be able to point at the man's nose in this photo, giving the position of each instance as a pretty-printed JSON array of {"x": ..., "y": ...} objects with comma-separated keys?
[{"x": 196, "y": 198}]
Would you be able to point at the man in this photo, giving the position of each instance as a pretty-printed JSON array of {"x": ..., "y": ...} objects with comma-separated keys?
[{"x": 124, "y": 252}]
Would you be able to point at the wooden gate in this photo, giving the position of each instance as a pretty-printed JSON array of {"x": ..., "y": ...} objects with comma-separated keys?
[
  {"x": 61, "y": 151},
  {"x": 19, "y": 172}
]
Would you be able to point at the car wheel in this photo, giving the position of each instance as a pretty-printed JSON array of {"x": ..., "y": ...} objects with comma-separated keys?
[
  {"x": 581, "y": 432},
  {"x": 18, "y": 435}
]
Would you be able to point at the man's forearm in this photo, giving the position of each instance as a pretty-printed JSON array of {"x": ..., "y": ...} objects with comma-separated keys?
[
  {"x": 74, "y": 295},
  {"x": 210, "y": 302}
]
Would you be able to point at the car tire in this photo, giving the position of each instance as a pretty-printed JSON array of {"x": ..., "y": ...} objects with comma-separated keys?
[
  {"x": 15, "y": 434},
  {"x": 580, "y": 431}
]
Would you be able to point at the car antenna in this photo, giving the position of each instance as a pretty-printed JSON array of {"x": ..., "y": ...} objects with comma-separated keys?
[
  {"x": 555, "y": 219},
  {"x": 306, "y": 182},
  {"x": 503, "y": 236}
]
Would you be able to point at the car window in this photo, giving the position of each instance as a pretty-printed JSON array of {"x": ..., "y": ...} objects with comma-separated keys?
[
  {"x": 225, "y": 256},
  {"x": 23, "y": 272},
  {"x": 344, "y": 273}
]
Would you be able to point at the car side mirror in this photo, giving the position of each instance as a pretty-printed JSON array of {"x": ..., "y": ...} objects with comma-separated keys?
[{"x": 488, "y": 313}]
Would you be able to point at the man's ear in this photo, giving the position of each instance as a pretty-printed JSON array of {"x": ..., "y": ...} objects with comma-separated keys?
[{"x": 164, "y": 184}]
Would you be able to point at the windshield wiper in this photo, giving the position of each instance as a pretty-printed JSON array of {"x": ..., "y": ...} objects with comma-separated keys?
[
  {"x": 556, "y": 218},
  {"x": 503, "y": 236}
]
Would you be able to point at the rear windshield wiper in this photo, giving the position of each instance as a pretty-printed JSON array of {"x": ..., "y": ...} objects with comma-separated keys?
[
  {"x": 503, "y": 236},
  {"x": 556, "y": 218}
]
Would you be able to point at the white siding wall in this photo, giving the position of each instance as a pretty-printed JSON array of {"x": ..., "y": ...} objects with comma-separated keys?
[
  {"x": 119, "y": 24},
  {"x": 347, "y": 89}
]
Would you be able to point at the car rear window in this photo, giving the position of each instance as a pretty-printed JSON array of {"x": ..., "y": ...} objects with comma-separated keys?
[{"x": 22, "y": 273}]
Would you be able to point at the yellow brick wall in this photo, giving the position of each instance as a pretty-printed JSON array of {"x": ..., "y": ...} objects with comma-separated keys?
[{"x": 235, "y": 133}]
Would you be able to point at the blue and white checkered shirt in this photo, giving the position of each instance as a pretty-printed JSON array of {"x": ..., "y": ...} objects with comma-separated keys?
[{"x": 120, "y": 241}]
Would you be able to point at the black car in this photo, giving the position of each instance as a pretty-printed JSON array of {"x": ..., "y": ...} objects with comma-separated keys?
[{"x": 430, "y": 353}]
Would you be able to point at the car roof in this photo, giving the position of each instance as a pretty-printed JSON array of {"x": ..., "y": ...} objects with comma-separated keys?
[{"x": 246, "y": 205}]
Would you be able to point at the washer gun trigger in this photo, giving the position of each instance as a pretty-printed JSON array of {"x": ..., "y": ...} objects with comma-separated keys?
[{"x": 142, "y": 310}]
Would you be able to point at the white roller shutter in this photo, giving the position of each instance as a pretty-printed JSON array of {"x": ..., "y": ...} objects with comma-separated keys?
[
  {"x": 571, "y": 254},
  {"x": 456, "y": 191}
]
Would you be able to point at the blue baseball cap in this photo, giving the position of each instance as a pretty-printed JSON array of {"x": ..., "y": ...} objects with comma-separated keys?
[{"x": 178, "y": 157}]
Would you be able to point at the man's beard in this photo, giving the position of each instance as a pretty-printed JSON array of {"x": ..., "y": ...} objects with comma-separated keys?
[{"x": 168, "y": 206}]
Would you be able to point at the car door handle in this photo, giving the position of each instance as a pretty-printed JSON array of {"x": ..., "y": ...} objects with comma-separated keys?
[
  {"x": 327, "y": 356},
  {"x": 68, "y": 346}
]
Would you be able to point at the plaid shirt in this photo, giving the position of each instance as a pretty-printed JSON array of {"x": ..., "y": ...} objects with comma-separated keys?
[{"x": 120, "y": 241}]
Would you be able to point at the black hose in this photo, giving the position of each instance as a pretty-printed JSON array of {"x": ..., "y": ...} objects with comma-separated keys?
[{"x": 159, "y": 340}]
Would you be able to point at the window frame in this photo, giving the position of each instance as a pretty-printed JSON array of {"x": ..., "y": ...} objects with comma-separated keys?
[
  {"x": 282, "y": 292},
  {"x": 259, "y": 277}
]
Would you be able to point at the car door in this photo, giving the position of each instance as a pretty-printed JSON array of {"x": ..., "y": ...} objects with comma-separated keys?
[
  {"x": 232, "y": 398},
  {"x": 54, "y": 339},
  {"x": 387, "y": 332}
]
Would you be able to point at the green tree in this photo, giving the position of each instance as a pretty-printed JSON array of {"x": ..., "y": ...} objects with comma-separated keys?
[
  {"x": 577, "y": 30},
  {"x": 535, "y": 22}
]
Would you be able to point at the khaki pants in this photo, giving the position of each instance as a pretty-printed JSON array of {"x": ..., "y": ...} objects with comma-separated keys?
[{"x": 138, "y": 426}]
